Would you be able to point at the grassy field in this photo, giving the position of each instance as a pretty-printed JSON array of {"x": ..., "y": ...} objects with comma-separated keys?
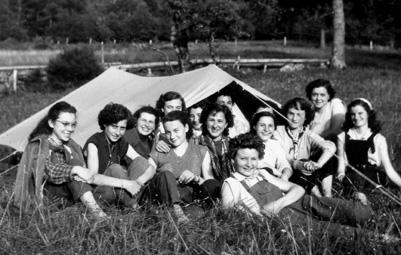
[{"x": 373, "y": 75}]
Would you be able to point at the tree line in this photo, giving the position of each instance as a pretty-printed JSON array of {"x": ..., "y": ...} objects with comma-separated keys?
[{"x": 143, "y": 20}]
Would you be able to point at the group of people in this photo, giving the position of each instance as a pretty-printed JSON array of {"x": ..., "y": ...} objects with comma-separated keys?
[{"x": 210, "y": 154}]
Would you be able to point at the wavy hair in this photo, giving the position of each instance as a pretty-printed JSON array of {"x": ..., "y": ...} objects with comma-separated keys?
[
  {"x": 246, "y": 141},
  {"x": 213, "y": 109},
  {"x": 373, "y": 123},
  {"x": 302, "y": 104},
  {"x": 43, "y": 128}
]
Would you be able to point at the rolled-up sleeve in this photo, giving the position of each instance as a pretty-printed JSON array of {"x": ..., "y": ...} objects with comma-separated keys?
[{"x": 318, "y": 142}]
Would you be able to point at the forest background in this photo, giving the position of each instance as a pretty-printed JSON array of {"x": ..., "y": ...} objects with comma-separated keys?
[{"x": 74, "y": 21}]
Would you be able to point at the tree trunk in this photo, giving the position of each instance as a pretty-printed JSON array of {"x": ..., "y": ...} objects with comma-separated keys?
[
  {"x": 180, "y": 43},
  {"x": 212, "y": 51},
  {"x": 338, "y": 54},
  {"x": 322, "y": 38}
]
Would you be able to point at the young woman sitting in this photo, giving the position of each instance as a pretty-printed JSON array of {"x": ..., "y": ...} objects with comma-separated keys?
[
  {"x": 329, "y": 111},
  {"x": 306, "y": 151},
  {"x": 141, "y": 137},
  {"x": 274, "y": 160},
  {"x": 258, "y": 192},
  {"x": 105, "y": 150},
  {"x": 183, "y": 174},
  {"x": 216, "y": 120},
  {"x": 53, "y": 166},
  {"x": 364, "y": 148}
]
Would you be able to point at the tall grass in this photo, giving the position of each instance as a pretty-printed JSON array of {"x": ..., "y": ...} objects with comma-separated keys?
[{"x": 153, "y": 231}]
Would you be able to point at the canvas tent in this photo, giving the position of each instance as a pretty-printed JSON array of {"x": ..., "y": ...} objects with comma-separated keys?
[{"x": 134, "y": 91}]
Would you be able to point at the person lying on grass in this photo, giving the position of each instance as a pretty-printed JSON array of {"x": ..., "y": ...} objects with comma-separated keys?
[
  {"x": 105, "y": 151},
  {"x": 216, "y": 120},
  {"x": 263, "y": 125},
  {"x": 261, "y": 193},
  {"x": 363, "y": 147},
  {"x": 184, "y": 173},
  {"x": 53, "y": 167},
  {"x": 307, "y": 152}
]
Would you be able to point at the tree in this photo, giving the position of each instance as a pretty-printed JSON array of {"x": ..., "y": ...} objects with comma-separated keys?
[
  {"x": 201, "y": 19},
  {"x": 338, "y": 53}
]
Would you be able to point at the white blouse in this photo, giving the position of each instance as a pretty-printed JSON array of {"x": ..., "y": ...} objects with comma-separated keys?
[
  {"x": 322, "y": 119},
  {"x": 274, "y": 157}
]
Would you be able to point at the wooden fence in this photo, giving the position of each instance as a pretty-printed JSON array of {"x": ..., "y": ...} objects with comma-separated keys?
[{"x": 9, "y": 74}]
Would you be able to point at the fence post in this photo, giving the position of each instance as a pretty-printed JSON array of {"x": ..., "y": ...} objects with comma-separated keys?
[
  {"x": 102, "y": 52},
  {"x": 15, "y": 79},
  {"x": 322, "y": 39}
]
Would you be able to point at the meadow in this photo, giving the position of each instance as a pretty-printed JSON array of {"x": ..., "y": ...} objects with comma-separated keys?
[{"x": 370, "y": 74}]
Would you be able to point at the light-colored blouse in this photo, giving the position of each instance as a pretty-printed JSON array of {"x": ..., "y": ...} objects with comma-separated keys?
[
  {"x": 274, "y": 157},
  {"x": 322, "y": 121}
]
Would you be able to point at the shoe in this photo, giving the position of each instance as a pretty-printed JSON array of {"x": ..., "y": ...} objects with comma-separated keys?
[{"x": 180, "y": 215}]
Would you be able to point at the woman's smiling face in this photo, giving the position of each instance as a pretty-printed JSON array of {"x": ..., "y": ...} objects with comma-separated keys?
[
  {"x": 216, "y": 124},
  {"x": 246, "y": 161},
  {"x": 264, "y": 128}
]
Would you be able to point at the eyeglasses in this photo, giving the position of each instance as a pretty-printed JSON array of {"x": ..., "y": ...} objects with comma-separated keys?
[{"x": 67, "y": 124}]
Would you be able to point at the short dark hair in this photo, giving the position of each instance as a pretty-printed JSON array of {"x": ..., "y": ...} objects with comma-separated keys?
[
  {"x": 146, "y": 109},
  {"x": 300, "y": 103},
  {"x": 246, "y": 141},
  {"x": 43, "y": 128},
  {"x": 373, "y": 123},
  {"x": 256, "y": 117},
  {"x": 320, "y": 83},
  {"x": 201, "y": 104},
  {"x": 113, "y": 113},
  {"x": 181, "y": 117},
  {"x": 212, "y": 109},
  {"x": 168, "y": 96}
]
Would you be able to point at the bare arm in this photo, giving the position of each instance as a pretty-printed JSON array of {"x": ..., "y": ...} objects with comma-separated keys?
[
  {"x": 388, "y": 167},
  {"x": 92, "y": 157},
  {"x": 341, "y": 157},
  {"x": 287, "y": 173},
  {"x": 292, "y": 192},
  {"x": 131, "y": 153},
  {"x": 206, "y": 168},
  {"x": 148, "y": 174}
]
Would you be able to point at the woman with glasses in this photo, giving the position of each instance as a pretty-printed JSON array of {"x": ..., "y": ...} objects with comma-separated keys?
[
  {"x": 53, "y": 167},
  {"x": 106, "y": 150}
]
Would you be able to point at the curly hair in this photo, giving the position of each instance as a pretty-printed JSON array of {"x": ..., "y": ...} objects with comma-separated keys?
[
  {"x": 168, "y": 96},
  {"x": 113, "y": 113},
  {"x": 257, "y": 116},
  {"x": 146, "y": 109},
  {"x": 54, "y": 112},
  {"x": 317, "y": 84},
  {"x": 181, "y": 117},
  {"x": 299, "y": 103},
  {"x": 246, "y": 141},
  {"x": 213, "y": 109},
  {"x": 373, "y": 123}
]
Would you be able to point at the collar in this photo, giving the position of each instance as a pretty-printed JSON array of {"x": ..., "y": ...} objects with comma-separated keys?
[{"x": 241, "y": 177}]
